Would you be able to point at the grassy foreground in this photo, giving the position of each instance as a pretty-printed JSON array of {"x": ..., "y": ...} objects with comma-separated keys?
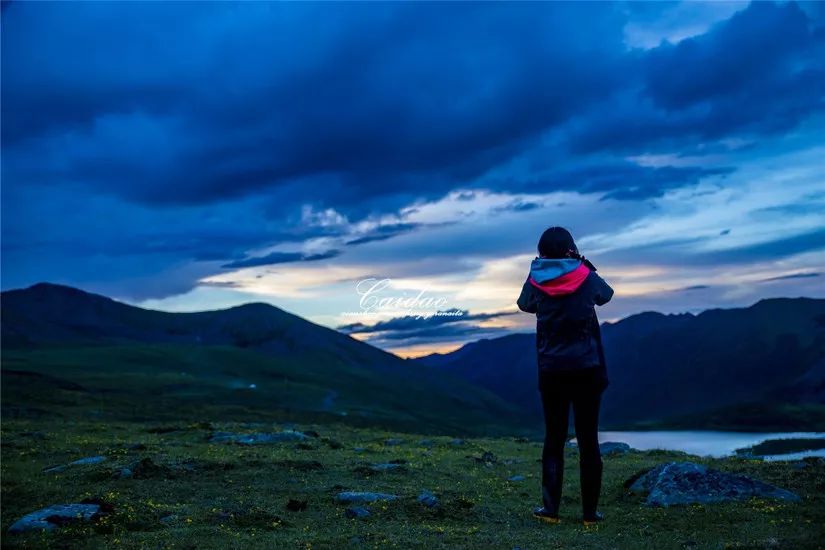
[{"x": 195, "y": 494}]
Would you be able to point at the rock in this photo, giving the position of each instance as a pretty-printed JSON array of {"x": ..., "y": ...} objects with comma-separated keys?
[
  {"x": 258, "y": 438},
  {"x": 393, "y": 441},
  {"x": 676, "y": 483},
  {"x": 355, "y": 497},
  {"x": 125, "y": 473},
  {"x": 357, "y": 512},
  {"x": 54, "y": 516},
  {"x": 88, "y": 460},
  {"x": 516, "y": 478},
  {"x": 428, "y": 499},
  {"x": 332, "y": 443},
  {"x": 359, "y": 449},
  {"x": 296, "y": 505},
  {"x": 612, "y": 448},
  {"x": 169, "y": 518},
  {"x": 425, "y": 443},
  {"x": 457, "y": 441},
  {"x": 486, "y": 458}
]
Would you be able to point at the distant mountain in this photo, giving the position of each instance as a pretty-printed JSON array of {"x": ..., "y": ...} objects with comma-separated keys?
[
  {"x": 248, "y": 359},
  {"x": 683, "y": 369}
]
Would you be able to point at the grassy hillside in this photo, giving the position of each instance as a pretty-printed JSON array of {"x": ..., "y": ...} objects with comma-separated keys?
[
  {"x": 189, "y": 493},
  {"x": 192, "y": 383}
]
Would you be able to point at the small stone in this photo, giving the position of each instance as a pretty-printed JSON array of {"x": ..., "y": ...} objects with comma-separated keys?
[
  {"x": 54, "y": 516},
  {"x": 296, "y": 505},
  {"x": 516, "y": 478},
  {"x": 125, "y": 473},
  {"x": 88, "y": 460},
  {"x": 612, "y": 448},
  {"x": 169, "y": 518},
  {"x": 428, "y": 499},
  {"x": 357, "y": 497},
  {"x": 357, "y": 512}
]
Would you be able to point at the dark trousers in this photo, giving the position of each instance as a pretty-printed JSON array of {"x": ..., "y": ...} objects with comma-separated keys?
[{"x": 558, "y": 393}]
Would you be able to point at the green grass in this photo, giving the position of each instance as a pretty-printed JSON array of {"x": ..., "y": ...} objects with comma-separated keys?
[{"x": 203, "y": 495}]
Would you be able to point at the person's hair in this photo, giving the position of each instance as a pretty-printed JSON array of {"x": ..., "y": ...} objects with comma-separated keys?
[{"x": 557, "y": 242}]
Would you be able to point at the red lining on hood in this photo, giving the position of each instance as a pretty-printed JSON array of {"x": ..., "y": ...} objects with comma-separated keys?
[{"x": 566, "y": 284}]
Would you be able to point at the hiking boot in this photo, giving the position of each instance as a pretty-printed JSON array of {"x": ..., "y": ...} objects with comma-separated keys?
[
  {"x": 545, "y": 516},
  {"x": 593, "y": 519}
]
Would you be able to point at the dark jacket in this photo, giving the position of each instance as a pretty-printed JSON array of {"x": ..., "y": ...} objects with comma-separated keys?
[{"x": 563, "y": 294}]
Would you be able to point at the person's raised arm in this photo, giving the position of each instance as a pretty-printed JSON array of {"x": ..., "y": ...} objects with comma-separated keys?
[
  {"x": 527, "y": 301},
  {"x": 603, "y": 291}
]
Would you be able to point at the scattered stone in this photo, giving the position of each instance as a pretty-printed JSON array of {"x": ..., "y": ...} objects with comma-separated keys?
[
  {"x": 357, "y": 512},
  {"x": 55, "y": 516},
  {"x": 613, "y": 448},
  {"x": 516, "y": 478},
  {"x": 356, "y": 497},
  {"x": 487, "y": 458},
  {"x": 88, "y": 460},
  {"x": 296, "y": 505},
  {"x": 676, "y": 483},
  {"x": 428, "y": 499},
  {"x": 168, "y": 518},
  {"x": 393, "y": 442},
  {"x": 332, "y": 443},
  {"x": 258, "y": 438}
]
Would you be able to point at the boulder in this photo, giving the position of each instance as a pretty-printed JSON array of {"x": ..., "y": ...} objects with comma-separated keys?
[
  {"x": 54, "y": 516},
  {"x": 612, "y": 448},
  {"x": 676, "y": 483},
  {"x": 355, "y": 497},
  {"x": 428, "y": 499}
]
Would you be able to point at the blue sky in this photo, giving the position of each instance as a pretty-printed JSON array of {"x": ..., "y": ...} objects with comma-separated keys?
[{"x": 188, "y": 156}]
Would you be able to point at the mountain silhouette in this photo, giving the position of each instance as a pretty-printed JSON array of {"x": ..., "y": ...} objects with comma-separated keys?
[
  {"x": 254, "y": 356},
  {"x": 762, "y": 365}
]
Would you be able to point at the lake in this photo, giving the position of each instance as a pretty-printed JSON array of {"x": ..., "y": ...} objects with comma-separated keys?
[{"x": 709, "y": 443}]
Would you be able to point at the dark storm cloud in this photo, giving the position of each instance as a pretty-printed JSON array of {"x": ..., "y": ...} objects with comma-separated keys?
[
  {"x": 711, "y": 86},
  {"x": 139, "y": 137},
  {"x": 368, "y": 105},
  {"x": 280, "y": 258}
]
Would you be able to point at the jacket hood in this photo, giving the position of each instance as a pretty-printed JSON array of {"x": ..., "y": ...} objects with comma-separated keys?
[{"x": 558, "y": 277}]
